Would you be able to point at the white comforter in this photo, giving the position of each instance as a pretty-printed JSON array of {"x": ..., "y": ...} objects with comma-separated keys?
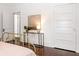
[{"x": 7, "y": 49}]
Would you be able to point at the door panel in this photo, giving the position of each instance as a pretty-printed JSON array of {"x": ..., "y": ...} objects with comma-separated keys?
[{"x": 64, "y": 27}]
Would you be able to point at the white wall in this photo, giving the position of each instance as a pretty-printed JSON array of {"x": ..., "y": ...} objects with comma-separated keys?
[
  {"x": 8, "y": 11},
  {"x": 1, "y": 8},
  {"x": 6, "y": 20},
  {"x": 48, "y": 19},
  {"x": 47, "y": 13},
  {"x": 7, "y": 16}
]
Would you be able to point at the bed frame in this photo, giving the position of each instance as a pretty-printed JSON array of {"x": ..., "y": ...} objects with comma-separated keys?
[{"x": 17, "y": 37}]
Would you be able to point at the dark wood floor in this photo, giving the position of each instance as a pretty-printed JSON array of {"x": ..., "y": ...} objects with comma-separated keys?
[{"x": 48, "y": 51}]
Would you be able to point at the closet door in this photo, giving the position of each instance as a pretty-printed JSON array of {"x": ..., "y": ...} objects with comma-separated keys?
[{"x": 65, "y": 27}]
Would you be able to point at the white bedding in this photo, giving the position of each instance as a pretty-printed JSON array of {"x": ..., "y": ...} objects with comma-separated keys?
[{"x": 7, "y": 49}]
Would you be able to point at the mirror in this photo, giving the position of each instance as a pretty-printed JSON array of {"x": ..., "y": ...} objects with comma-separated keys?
[{"x": 34, "y": 22}]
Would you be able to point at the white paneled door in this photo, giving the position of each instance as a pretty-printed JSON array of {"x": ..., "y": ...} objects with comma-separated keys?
[{"x": 65, "y": 27}]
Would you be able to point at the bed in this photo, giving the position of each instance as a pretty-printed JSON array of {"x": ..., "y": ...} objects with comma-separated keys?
[{"x": 7, "y": 49}]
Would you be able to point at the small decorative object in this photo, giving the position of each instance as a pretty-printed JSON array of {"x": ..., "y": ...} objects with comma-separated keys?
[
  {"x": 26, "y": 28},
  {"x": 3, "y": 30}
]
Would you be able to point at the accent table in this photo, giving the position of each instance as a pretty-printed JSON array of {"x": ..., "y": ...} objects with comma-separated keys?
[{"x": 40, "y": 38}]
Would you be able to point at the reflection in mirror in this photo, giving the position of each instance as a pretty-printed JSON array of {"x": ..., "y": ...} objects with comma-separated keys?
[{"x": 34, "y": 21}]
